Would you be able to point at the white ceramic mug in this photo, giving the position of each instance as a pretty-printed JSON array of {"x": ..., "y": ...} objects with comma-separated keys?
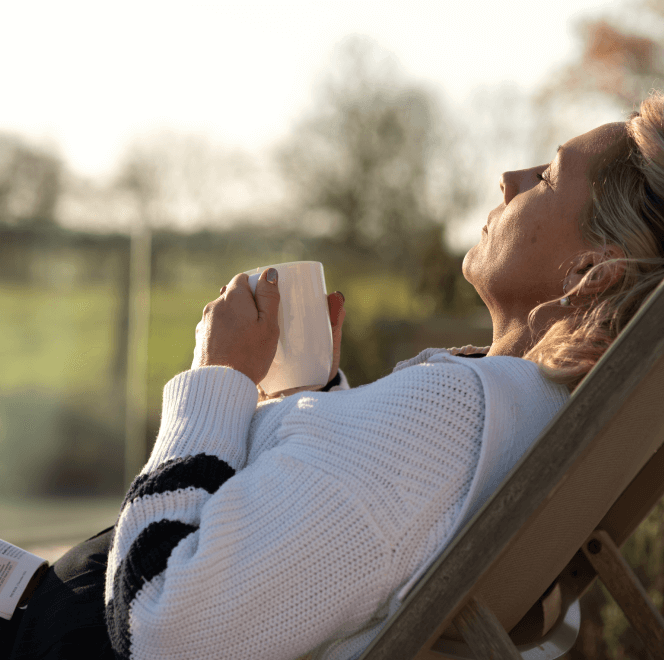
[{"x": 304, "y": 351}]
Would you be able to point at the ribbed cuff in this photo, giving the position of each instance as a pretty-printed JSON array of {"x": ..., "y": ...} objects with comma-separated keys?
[
  {"x": 339, "y": 382},
  {"x": 343, "y": 384},
  {"x": 333, "y": 382},
  {"x": 206, "y": 410}
]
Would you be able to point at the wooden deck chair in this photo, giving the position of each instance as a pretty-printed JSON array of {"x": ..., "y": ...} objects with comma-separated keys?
[{"x": 556, "y": 522}]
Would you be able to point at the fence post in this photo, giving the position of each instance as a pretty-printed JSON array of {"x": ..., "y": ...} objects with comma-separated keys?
[{"x": 137, "y": 351}]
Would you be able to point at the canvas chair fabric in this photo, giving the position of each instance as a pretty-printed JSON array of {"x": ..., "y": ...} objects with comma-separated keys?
[{"x": 529, "y": 533}]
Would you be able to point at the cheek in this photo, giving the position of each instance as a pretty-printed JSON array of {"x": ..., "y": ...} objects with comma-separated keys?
[
  {"x": 521, "y": 254},
  {"x": 529, "y": 233},
  {"x": 535, "y": 234}
]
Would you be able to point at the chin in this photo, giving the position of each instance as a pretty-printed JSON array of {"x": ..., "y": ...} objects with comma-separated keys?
[{"x": 466, "y": 267}]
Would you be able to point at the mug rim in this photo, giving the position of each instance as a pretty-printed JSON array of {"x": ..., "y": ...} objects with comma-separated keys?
[{"x": 308, "y": 261}]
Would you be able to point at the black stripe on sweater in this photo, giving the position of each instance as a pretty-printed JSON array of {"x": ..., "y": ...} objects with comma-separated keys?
[
  {"x": 202, "y": 471},
  {"x": 147, "y": 558}
]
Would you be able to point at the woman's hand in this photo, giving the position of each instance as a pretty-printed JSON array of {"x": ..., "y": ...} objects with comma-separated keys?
[
  {"x": 335, "y": 304},
  {"x": 239, "y": 331}
]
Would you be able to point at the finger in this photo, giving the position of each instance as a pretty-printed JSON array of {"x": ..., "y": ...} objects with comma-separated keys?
[
  {"x": 238, "y": 283},
  {"x": 340, "y": 322},
  {"x": 336, "y": 344},
  {"x": 336, "y": 333},
  {"x": 267, "y": 296},
  {"x": 335, "y": 304},
  {"x": 238, "y": 292}
]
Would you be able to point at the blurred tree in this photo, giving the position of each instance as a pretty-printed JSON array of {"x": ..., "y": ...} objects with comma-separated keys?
[
  {"x": 614, "y": 61},
  {"x": 619, "y": 61},
  {"x": 364, "y": 157},
  {"x": 189, "y": 179},
  {"x": 30, "y": 185},
  {"x": 30, "y": 182},
  {"x": 441, "y": 279},
  {"x": 439, "y": 271}
]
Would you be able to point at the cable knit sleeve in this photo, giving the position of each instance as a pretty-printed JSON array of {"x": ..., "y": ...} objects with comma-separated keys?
[{"x": 217, "y": 555}]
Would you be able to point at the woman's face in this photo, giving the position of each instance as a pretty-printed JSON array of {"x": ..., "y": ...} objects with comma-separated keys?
[{"x": 531, "y": 238}]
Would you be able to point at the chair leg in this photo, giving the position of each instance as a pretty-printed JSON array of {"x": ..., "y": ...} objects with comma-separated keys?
[
  {"x": 483, "y": 633},
  {"x": 627, "y": 590}
]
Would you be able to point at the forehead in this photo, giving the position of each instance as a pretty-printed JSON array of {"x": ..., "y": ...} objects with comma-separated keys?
[{"x": 588, "y": 151}]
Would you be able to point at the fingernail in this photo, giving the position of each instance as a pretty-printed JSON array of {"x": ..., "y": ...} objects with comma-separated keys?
[
  {"x": 343, "y": 298},
  {"x": 272, "y": 276}
]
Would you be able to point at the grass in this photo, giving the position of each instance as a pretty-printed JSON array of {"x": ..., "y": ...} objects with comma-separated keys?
[
  {"x": 58, "y": 340},
  {"x": 28, "y": 521}
]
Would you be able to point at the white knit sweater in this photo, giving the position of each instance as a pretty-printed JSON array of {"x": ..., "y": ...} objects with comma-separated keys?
[{"x": 296, "y": 527}]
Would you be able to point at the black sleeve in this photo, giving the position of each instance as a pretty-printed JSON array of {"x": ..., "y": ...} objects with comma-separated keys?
[{"x": 65, "y": 616}]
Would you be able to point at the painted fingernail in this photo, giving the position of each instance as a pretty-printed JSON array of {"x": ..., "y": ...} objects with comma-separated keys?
[
  {"x": 343, "y": 298},
  {"x": 272, "y": 276}
]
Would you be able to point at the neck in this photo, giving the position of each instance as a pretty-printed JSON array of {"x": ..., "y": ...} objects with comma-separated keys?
[
  {"x": 513, "y": 337},
  {"x": 513, "y": 341}
]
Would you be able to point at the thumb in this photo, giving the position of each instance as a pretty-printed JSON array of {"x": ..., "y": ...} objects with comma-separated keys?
[{"x": 267, "y": 295}]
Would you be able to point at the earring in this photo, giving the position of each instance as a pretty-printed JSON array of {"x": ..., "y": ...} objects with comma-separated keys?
[{"x": 564, "y": 301}]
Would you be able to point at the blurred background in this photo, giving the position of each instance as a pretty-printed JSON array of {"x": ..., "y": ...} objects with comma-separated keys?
[{"x": 150, "y": 151}]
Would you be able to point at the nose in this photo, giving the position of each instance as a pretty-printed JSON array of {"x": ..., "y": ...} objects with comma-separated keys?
[{"x": 509, "y": 185}]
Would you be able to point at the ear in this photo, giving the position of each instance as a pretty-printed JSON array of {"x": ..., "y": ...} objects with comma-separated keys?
[{"x": 595, "y": 271}]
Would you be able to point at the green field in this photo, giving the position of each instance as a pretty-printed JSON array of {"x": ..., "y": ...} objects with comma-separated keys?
[{"x": 27, "y": 522}]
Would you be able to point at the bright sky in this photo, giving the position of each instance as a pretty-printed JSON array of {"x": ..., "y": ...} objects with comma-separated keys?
[{"x": 87, "y": 76}]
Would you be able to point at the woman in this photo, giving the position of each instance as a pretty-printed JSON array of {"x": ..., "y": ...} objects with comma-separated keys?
[{"x": 296, "y": 526}]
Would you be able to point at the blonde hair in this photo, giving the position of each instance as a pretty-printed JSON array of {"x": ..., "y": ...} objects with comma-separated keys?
[{"x": 628, "y": 212}]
